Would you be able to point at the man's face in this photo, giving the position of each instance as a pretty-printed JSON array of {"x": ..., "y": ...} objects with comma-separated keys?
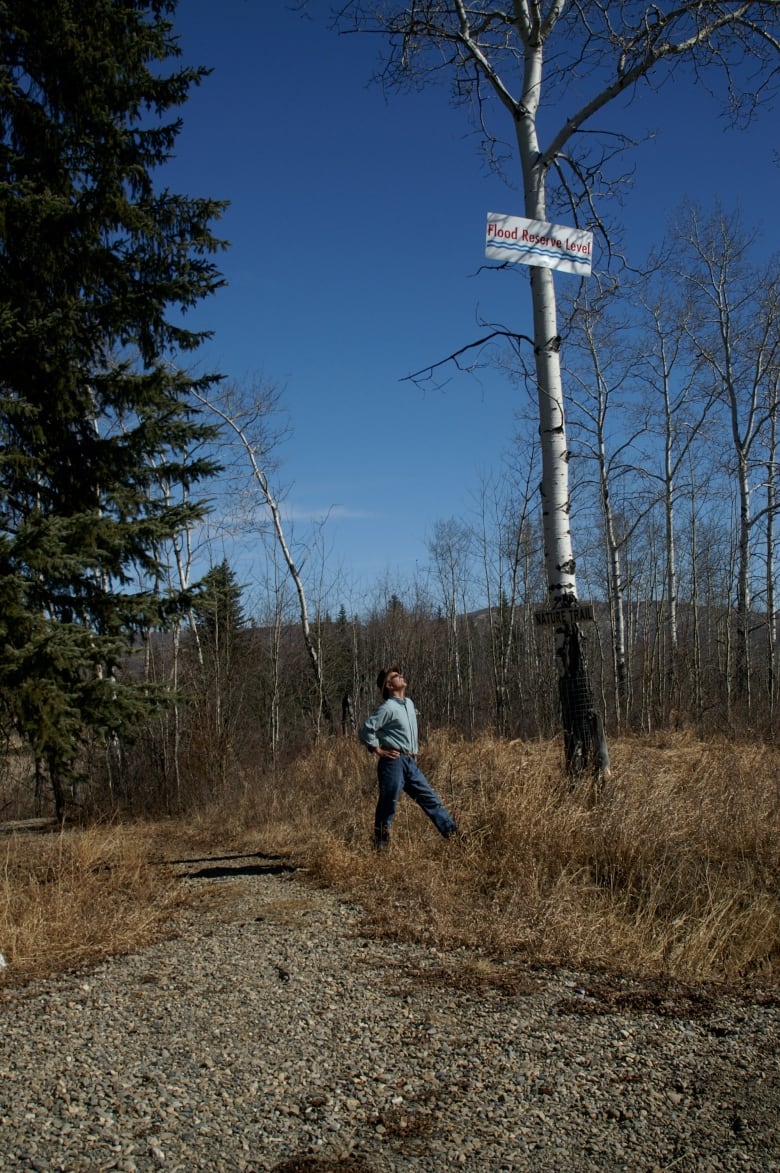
[{"x": 395, "y": 682}]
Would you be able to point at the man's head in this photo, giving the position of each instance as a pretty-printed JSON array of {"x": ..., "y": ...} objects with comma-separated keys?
[{"x": 390, "y": 681}]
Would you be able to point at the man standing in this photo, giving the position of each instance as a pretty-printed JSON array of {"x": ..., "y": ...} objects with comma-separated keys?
[{"x": 390, "y": 734}]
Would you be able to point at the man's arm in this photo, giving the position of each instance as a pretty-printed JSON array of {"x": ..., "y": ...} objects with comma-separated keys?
[{"x": 369, "y": 729}]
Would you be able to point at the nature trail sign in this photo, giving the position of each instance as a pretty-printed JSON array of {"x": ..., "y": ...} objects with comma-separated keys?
[{"x": 533, "y": 242}]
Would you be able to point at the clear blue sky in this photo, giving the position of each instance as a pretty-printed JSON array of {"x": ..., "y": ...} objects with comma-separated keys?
[{"x": 357, "y": 235}]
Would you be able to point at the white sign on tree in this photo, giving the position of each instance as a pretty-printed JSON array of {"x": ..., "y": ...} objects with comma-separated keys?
[{"x": 533, "y": 242}]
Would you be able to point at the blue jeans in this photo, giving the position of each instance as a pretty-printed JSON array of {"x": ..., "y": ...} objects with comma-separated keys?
[{"x": 403, "y": 773}]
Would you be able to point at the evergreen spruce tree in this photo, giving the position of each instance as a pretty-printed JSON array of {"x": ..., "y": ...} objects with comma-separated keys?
[
  {"x": 221, "y": 674},
  {"x": 98, "y": 433},
  {"x": 218, "y": 609}
]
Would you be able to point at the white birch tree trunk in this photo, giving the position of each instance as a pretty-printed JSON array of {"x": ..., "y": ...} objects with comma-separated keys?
[
  {"x": 695, "y": 599},
  {"x": 230, "y": 414},
  {"x": 556, "y": 505},
  {"x": 556, "y": 508},
  {"x": 771, "y": 506},
  {"x": 575, "y": 695}
]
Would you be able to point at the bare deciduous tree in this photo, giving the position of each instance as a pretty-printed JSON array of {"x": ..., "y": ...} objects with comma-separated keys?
[
  {"x": 577, "y": 59},
  {"x": 245, "y": 415},
  {"x": 734, "y": 332},
  {"x": 449, "y": 550},
  {"x": 601, "y": 371}
]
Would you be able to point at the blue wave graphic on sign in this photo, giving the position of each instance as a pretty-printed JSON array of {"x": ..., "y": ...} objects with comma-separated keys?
[{"x": 535, "y": 250}]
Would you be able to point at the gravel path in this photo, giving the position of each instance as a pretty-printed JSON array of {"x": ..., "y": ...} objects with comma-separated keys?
[{"x": 272, "y": 1035}]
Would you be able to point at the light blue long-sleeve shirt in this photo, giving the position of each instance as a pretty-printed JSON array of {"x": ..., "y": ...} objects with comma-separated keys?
[{"x": 393, "y": 726}]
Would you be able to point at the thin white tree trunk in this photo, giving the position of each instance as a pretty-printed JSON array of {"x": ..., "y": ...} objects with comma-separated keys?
[
  {"x": 556, "y": 506},
  {"x": 695, "y": 599},
  {"x": 261, "y": 480},
  {"x": 771, "y": 506},
  {"x": 558, "y": 552}
]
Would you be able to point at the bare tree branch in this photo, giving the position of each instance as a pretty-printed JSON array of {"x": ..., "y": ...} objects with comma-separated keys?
[{"x": 426, "y": 373}]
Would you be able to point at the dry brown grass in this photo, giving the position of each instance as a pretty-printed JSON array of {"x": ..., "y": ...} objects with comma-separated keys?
[
  {"x": 70, "y": 898},
  {"x": 672, "y": 872}
]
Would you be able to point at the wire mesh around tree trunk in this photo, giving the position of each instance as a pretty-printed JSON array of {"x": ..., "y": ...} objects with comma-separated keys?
[{"x": 583, "y": 732}]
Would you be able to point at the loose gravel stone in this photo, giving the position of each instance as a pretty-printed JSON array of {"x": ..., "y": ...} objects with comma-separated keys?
[{"x": 272, "y": 1035}]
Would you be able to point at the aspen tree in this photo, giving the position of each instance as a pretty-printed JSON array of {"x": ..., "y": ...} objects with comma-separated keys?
[{"x": 570, "y": 61}]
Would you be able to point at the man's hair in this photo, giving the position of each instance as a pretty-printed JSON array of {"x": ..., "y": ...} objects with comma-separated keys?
[{"x": 382, "y": 676}]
